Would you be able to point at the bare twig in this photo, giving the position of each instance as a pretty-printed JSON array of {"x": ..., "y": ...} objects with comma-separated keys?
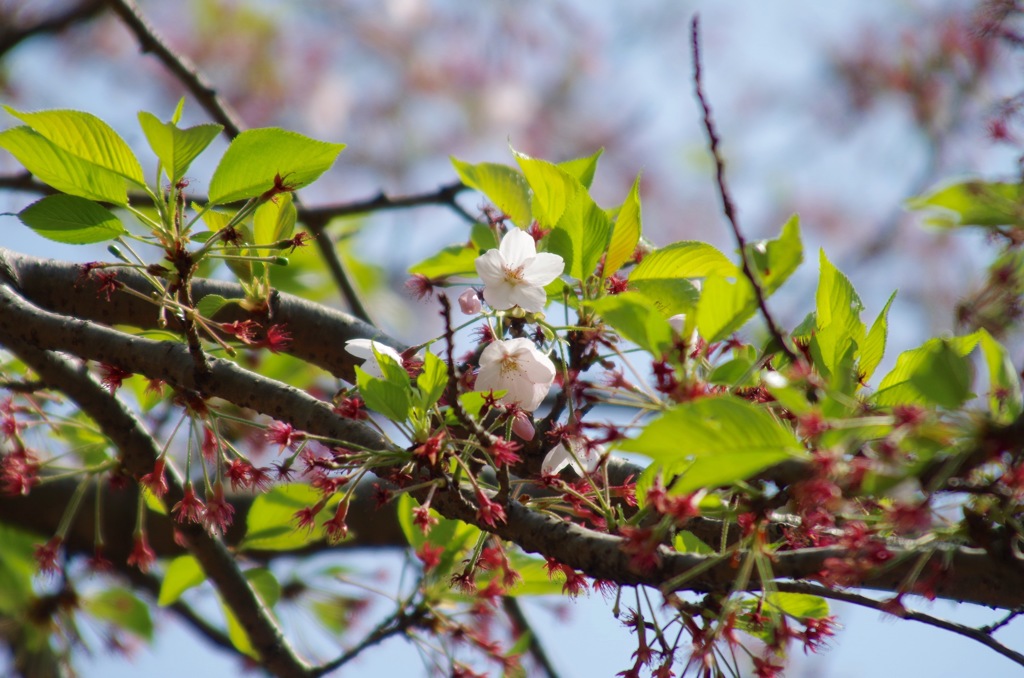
[
  {"x": 978, "y": 635},
  {"x": 727, "y": 204},
  {"x": 11, "y": 37},
  {"x": 515, "y": 614},
  {"x": 318, "y": 217},
  {"x": 182, "y": 67},
  {"x": 397, "y": 623}
]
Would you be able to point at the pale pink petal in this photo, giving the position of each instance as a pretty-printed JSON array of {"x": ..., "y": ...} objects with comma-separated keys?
[
  {"x": 501, "y": 296},
  {"x": 516, "y": 247},
  {"x": 555, "y": 460},
  {"x": 490, "y": 267},
  {"x": 528, "y": 297},
  {"x": 544, "y": 268},
  {"x": 540, "y": 369},
  {"x": 493, "y": 354}
]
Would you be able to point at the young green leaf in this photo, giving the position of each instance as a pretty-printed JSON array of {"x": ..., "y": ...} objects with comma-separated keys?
[
  {"x": 454, "y": 260},
  {"x": 873, "y": 347},
  {"x": 972, "y": 203},
  {"x": 553, "y": 188},
  {"x": 270, "y": 524},
  {"x": 503, "y": 186},
  {"x": 630, "y": 313},
  {"x": 685, "y": 259},
  {"x": 257, "y": 156},
  {"x": 433, "y": 380},
  {"x": 72, "y": 220},
  {"x": 87, "y": 138},
  {"x": 727, "y": 439},
  {"x": 667, "y": 295},
  {"x": 176, "y": 148},
  {"x": 61, "y": 170},
  {"x": 626, "y": 232},
  {"x": 1004, "y": 392},
  {"x": 839, "y": 327},
  {"x": 122, "y": 608},
  {"x": 799, "y": 605},
  {"x": 211, "y": 303},
  {"x": 583, "y": 168},
  {"x": 923, "y": 368},
  {"x": 581, "y": 235},
  {"x": 386, "y": 397},
  {"x": 776, "y": 260},
  {"x": 724, "y": 307},
  {"x": 274, "y": 220},
  {"x": 183, "y": 573}
]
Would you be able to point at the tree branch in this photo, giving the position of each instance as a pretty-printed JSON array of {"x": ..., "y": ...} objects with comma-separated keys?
[
  {"x": 977, "y": 635},
  {"x": 139, "y": 452},
  {"x": 12, "y": 36}
]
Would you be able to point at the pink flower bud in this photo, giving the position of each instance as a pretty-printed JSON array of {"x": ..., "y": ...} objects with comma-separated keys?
[
  {"x": 522, "y": 426},
  {"x": 469, "y": 302}
]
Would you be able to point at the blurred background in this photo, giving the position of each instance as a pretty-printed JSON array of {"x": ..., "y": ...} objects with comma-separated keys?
[{"x": 838, "y": 111}]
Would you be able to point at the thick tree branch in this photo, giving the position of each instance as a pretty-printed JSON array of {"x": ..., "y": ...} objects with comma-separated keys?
[{"x": 139, "y": 452}]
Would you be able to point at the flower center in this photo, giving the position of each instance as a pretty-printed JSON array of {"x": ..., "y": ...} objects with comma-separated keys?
[
  {"x": 509, "y": 364},
  {"x": 513, "y": 276}
]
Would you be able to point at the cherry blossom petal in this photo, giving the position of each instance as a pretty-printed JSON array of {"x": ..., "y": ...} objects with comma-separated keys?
[{"x": 544, "y": 268}]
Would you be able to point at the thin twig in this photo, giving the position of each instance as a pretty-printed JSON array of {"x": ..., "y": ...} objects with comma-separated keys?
[
  {"x": 394, "y": 624},
  {"x": 151, "y": 584},
  {"x": 444, "y": 195},
  {"x": 221, "y": 112},
  {"x": 515, "y": 614},
  {"x": 13, "y": 36},
  {"x": 978, "y": 635},
  {"x": 723, "y": 192},
  {"x": 182, "y": 67}
]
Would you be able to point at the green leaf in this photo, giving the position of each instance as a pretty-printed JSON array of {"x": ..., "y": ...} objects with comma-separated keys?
[
  {"x": 176, "y": 148},
  {"x": 87, "y": 138},
  {"x": 384, "y": 396},
  {"x": 581, "y": 235},
  {"x": 724, "y": 307},
  {"x": 17, "y": 567},
  {"x": 726, "y": 438},
  {"x": 61, "y": 170},
  {"x": 1004, "y": 396},
  {"x": 274, "y": 220},
  {"x": 266, "y": 586},
  {"x": 972, "y": 203},
  {"x": 503, "y": 186},
  {"x": 943, "y": 377},
  {"x": 626, "y": 232},
  {"x": 433, "y": 380},
  {"x": 553, "y": 188},
  {"x": 799, "y": 605},
  {"x": 270, "y": 524},
  {"x": 630, "y": 313},
  {"x": 776, "y": 260},
  {"x": 257, "y": 156},
  {"x": 583, "y": 168},
  {"x": 669, "y": 296},
  {"x": 736, "y": 372},
  {"x": 684, "y": 259},
  {"x": 839, "y": 327},
  {"x": 454, "y": 260},
  {"x": 71, "y": 219},
  {"x": 688, "y": 542},
  {"x": 211, "y": 303},
  {"x": 122, "y": 608},
  {"x": 933, "y": 361},
  {"x": 183, "y": 573},
  {"x": 873, "y": 347}
]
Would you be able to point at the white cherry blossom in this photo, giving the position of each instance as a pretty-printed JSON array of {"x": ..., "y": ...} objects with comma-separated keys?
[
  {"x": 517, "y": 367},
  {"x": 515, "y": 274},
  {"x": 585, "y": 461},
  {"x": 363, "y": 348}
]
